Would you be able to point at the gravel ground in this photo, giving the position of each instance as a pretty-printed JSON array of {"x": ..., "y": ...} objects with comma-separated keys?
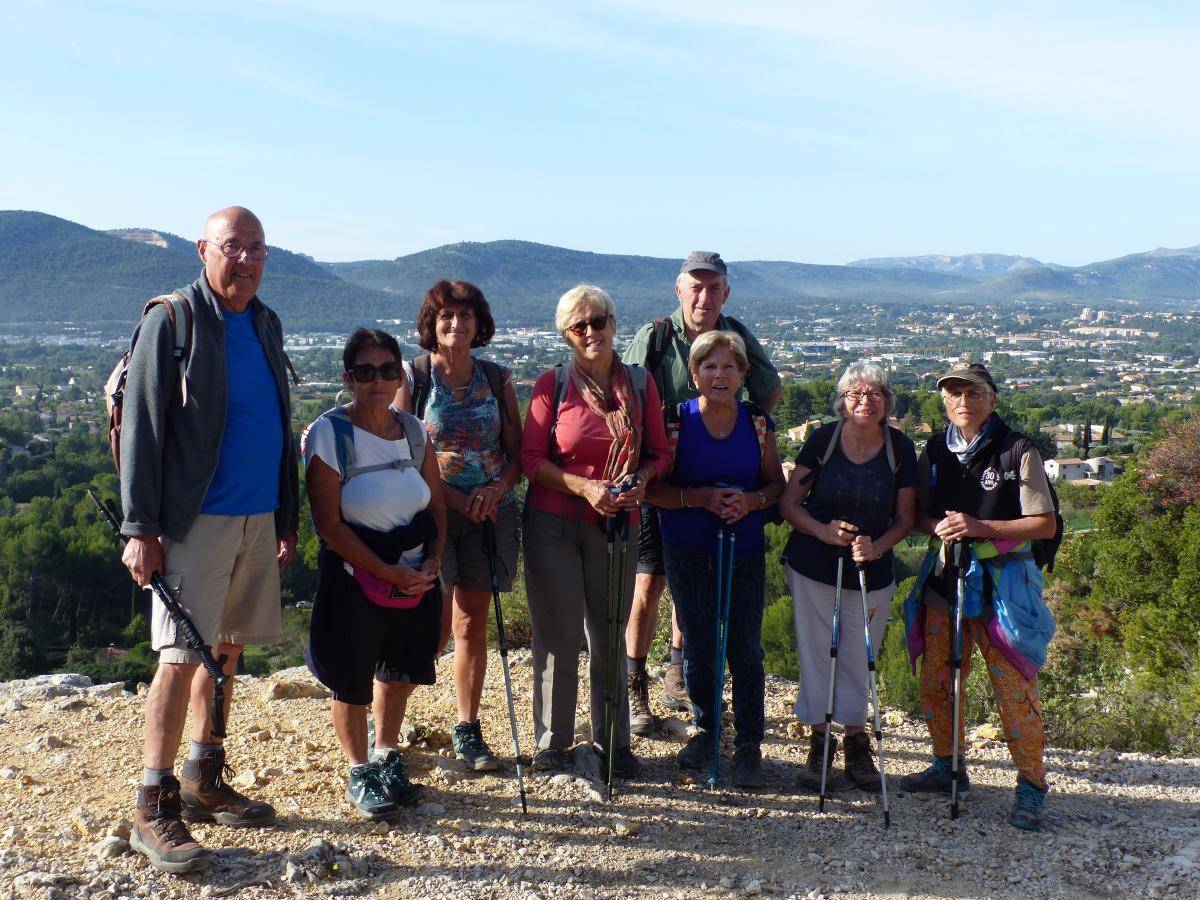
[{"x": 1117, "y": 825}]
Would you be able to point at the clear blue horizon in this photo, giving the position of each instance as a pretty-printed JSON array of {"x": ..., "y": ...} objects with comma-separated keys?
[{"x": 804, "y": 132}]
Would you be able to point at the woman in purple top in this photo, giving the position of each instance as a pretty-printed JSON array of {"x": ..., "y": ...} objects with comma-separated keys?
[{"x": 726, "y": 472}]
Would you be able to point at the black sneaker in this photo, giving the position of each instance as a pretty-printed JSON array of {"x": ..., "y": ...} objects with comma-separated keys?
[
  {"x": 395, "y": 780},
  {"x": 369, "y": 794},
  {"x": 625, "y": 764},
  {"x": 747, "y": 767},
  {"x": 470, "y": 747},
  {"x": 697, "y": 753},
  {"x": 552, "y": 759}
]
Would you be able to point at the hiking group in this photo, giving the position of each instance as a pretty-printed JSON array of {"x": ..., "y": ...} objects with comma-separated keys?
[{"x": 411, "y": 488}]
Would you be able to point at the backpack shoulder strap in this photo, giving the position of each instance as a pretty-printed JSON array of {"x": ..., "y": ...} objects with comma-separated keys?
[
  {"x": 637, "y": 377},
  {"x": 420, "y": 388},
  {"x": 495, "y": 379},
  {"x": 414, "y": 433},
  {"x": 889, "y": 449},
  {"x": 833, "y": 442},
  {"x": 343, "y": 441},
  {"x": 660, "y": 339},
  {"x": 562, "y": 372},
  {"x": 759, "y": 419}
]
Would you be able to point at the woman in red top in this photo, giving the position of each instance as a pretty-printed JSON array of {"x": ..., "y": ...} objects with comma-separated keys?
[{"x": 607, "y": 428}]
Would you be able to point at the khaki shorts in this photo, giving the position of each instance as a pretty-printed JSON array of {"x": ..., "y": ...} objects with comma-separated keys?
[
  {"x": 464, "y": 559},
  {"x": 226, "y": 576}
]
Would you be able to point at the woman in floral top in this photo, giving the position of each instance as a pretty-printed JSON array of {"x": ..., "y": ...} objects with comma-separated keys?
[{"x": 470, "y": 412}]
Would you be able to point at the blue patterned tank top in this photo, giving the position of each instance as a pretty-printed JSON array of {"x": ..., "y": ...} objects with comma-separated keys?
[{"x": 465, "y": 432}]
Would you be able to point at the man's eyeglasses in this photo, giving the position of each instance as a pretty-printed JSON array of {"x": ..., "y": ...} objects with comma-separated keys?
[
  {"x": 859, "y": 396},
  {"x": 234, "y": 250},
  {"x": 365, "y": 372},
  {"x": 596, "y": 323},
  {"x": 972, "y": 396}
]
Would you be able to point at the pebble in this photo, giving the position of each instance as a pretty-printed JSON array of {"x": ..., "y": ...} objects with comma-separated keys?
[
  {"x": 43, "y": 742},
  {"x": 625, "y": 828},
  {"x": 110, "y": 847},
  {"x": 430, "y": 809}
]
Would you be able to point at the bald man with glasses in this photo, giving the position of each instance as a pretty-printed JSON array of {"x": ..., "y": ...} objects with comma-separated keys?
[{"x": 209, "y": 487}]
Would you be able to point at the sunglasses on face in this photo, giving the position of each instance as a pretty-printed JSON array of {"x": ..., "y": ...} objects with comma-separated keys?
[
  {"x": 365, "y": 372},
  {"x": 596, "y": 323}
]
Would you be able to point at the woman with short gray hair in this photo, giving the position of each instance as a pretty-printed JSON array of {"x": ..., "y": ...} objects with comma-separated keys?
[{"x": 862, "y": 504}]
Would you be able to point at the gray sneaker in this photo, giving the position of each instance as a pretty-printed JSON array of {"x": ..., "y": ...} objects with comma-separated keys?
[
  {"x": 368, "y": 793},
  {"x": 470, "y": 747}
]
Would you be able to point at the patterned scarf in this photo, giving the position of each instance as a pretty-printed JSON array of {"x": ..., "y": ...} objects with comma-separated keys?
[{"x": 623, "y": 420}]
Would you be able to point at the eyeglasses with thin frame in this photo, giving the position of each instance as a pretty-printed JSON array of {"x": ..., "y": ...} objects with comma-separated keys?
[
  {"x": 859, "y": 396},
  {"x": 364, "y": 373},
  {"x": 970, "y": 396},
  {"x": 234, "y": 249},
  {"x": 596, "y": 323}
]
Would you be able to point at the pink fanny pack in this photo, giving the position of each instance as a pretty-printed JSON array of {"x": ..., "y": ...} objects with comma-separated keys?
[{"x": 380, "y": 592}]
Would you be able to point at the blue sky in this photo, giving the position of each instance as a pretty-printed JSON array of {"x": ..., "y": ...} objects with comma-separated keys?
[{"x": 818, "y": 132}]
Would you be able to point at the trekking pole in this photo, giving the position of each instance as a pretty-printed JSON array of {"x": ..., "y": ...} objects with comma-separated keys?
[
  {"x": 835, "y": 639},
  {"x": 957, "y": 549},
  {"x": 723, "y": 591},
  {"x": 617, "y": 530},
  {"x": 862, "y": 586},
  {"x": 187, "y": 628},
  {"x": 489, "y": 546}
]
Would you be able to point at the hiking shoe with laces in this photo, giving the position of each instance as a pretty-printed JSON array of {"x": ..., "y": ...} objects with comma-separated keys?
[
  {"x": 369, "y": 794},
  {"x": 860, "y": 762},
  {"x": 470, "y": 747},
  {"x": 810, "y": 776},
  {"x": 675, "y": 695},
  {"x": 641, "y": 720},
  {"x": 552, "y": 759},
  {"x": 937, "y": 779},
  {"x": 747, "y": 767},
  {"x": 625, "y": 764},
  {"x": 1027, "y": 810},
  {"x": 208, "y": 796},
  {"x": 697, "y": 752},
  {"x": 395, "y": 780},
  {"x": 159, "y": 833}
]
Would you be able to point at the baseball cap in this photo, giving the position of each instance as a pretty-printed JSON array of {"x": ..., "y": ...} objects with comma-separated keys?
[
  {"x": 975, "y": 373},
  {"x": 704, "y": 259}
]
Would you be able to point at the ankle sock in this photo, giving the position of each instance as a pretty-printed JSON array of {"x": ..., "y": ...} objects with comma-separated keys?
[
  {"x": 196, "y": 750},
  {"x": 154, "y": 777},
  {"x": 634, "y": 665},
  {"x": 379, "y": 754},
  {"x": 677, "y": 656}
]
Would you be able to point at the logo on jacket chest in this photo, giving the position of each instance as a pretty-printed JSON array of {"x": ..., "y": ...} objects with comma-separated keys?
[{"x": 990, "y": 479}]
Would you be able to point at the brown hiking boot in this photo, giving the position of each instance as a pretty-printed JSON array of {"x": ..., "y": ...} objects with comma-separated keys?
[
  {"x": 860, "y": 762},
  {"x": 159, "y": 833},
  {"x": 810, "y": 775},
  {"x": 675, "y": 695},
  {"x": 208, "y": 795},
  {"x": 641, "y": 720}
]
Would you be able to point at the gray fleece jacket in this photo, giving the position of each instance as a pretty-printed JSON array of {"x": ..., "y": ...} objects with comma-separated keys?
[{"x": 169, "y": 451}]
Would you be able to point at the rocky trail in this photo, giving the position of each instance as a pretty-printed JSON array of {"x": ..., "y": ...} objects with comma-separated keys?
[{"x": 1118, "y": 825}]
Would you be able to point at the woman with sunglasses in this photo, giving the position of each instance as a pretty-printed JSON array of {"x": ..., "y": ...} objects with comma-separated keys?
[
  {"x": 593, "y": 438},
  {"x": 470, "y": 412},
  {"x": 376, "y": 499},
  {"x": 852, "y": 495}
]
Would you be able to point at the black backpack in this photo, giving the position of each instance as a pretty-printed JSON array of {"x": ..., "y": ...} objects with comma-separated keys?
[
  {"x": 660, "y": 339},
  {"x": 1044, "y": 549},
  {"x": 422, "y": 381}
]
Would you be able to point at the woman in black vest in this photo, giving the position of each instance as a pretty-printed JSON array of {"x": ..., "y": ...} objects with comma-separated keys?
[
  {"x": 852, "y": 494},
  {"x": 982, "y": 483}
]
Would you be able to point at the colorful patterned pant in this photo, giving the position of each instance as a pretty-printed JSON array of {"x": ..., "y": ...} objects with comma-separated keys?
[{"x": 1020, "y": 709}]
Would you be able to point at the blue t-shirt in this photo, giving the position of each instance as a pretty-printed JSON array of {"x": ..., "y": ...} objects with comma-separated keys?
[
  {"x": 246, "y": 482},
  {"x": 703, "y": 460}
]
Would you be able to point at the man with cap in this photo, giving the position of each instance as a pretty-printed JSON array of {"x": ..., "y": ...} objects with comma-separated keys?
[
  {"x": 982, "y": 484},
  {"x": 662, "y": 346}
]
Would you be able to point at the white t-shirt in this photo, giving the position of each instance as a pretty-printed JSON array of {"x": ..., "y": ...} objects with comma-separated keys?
[{"x": 382, "y": 500}]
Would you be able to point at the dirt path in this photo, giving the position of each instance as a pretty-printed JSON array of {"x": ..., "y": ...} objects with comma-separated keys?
[{"x": 1117, "y": 825}]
